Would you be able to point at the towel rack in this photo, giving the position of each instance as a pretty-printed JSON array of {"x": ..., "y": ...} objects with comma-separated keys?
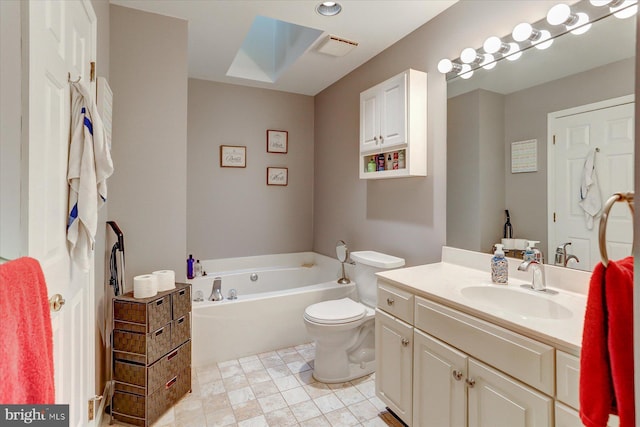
[{"x": 602, "y": 232}]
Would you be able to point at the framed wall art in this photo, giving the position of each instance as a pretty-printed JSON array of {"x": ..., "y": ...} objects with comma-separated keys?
[
  {"x": 233, "y": 156},
  {"x": 278, "y": 176},
  {"x": 277, "y": 141}
]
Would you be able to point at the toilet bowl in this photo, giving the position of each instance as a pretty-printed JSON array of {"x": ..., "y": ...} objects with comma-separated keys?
[{"x": 344, "y": 329}]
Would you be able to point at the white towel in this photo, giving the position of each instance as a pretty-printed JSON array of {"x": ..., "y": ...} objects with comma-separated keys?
[
  {"x": 89, "y": 167},
  {"x": 590, "y": 198}
]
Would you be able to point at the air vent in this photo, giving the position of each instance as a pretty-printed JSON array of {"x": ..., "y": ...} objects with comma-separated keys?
[{"x": 336, "y": 46}]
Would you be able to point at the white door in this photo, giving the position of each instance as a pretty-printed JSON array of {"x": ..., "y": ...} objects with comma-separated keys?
[
  {"x": 608, "y": 128},
  {"x": 393, "y": 112},
  {"x": 61, "y": 37},
  {"x": 496, "y": 400},
  {"x": 394, "y": 364},
  {"x": 439, "y": 393}
]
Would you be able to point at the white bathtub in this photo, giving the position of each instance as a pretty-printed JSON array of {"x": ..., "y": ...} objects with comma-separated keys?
[{"x": 268, "y": 313}]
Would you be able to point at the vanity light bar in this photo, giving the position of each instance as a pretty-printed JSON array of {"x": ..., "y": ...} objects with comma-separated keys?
[{"x": 559, "y": 20}]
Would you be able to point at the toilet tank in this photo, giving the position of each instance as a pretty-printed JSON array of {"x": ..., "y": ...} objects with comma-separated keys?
[{"x": 367, "y": 264}]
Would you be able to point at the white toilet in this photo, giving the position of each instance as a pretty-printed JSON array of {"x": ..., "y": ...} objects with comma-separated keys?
[{"x": 344, "y": 329}]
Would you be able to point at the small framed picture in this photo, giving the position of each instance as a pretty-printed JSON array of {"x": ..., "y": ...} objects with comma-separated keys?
[
  {"x": 233, "y": 156},
  {"x": 277, "y": 176},
  {"x": 277, "y": 141}
]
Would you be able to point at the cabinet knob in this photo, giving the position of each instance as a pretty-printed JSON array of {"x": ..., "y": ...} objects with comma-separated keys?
[
  {"x": 470, "y": 382},
  {"x": 375, "y": 138},
  {"x": 405, "y": 342},
  {"x": 381, "y": 140},
  {"x": 390, "y": 301},
  {"x": 457, "y": 375}
]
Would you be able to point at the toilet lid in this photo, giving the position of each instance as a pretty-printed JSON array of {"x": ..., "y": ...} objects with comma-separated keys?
[{"x": 335, "y": 311}]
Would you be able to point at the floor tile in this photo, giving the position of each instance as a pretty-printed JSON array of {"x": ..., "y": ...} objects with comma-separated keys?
[
  {"x": 281, "y": 418},
  {"x": 368, "y": 388},
  {"x": 264, "y": 389},
  {"x": 244, "y": 411},
  {"x": 242, "y": 395},
  {"x": 216, "y": 402},
  {"x": 349, "y": 396},
  {"x": 341, "y": 418},
  {"x": 236, "y": 382},
  {"x": 271, "y": 403},
  {"x": 246, "y": 359},
  {"x": 375, "y": 422},
  {"x": 298, "y": 366},
  {"x": 252, "y": 366},
  {"x": 305, "y": 410},
  {"x": 320, "y": 421},
  {"x": 259, "y": 421},
  {"x": 317, "y": 389},
  {"x": 305, "y": 377},
  {"x": 230, "y": 371},
  {"x": 363, "y": 411},
  {"x": 286, "y": 383},
  {"x": 212, "y": 388},
  {"x": 258, "y": 377},
  {"x": 379, "y": 404},
  {"x": 295, "y": 395},
  {"x": 278, "y": 371},
  {"x": 220, "y": 418},
  {"x": 328, "y": 403}
]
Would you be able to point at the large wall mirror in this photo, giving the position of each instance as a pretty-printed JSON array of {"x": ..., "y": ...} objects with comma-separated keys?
[{"x": 543, "y": 92}]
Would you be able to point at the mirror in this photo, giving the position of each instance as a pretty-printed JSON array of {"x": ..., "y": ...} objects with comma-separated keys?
[
  {"x": 342, "y": 252},
  {"x": 510, "y": 103}
]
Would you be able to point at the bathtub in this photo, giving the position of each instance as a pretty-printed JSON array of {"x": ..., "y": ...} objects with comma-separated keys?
[{"x": 268, "y": 312}]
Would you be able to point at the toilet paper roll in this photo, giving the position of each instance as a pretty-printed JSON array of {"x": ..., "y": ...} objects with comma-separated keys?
[
  {"x": 166, "y": 279},
  {"x": 145, "y": 286}
]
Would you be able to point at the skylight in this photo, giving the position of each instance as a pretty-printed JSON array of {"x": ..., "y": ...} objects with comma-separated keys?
[{"x": 270, "y": 47}]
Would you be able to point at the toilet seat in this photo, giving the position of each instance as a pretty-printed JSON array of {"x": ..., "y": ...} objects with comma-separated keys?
[{"x": 333, "y": 312}]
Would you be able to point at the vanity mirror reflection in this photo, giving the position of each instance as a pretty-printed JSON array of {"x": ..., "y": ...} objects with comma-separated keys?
[{"x": 543, "y": 93}]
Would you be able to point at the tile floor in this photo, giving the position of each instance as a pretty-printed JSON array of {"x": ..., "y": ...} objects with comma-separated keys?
[{"x": 273, "y": 389}]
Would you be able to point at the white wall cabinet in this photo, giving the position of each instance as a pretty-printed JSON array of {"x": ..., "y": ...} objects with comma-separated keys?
[{"x": 393, "y": 123}]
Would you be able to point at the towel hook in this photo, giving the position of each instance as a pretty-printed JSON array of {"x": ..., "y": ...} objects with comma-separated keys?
[
  {"x": 56, "y": 302},
  {"x": 602, "y": 232},
  {"x": 73, "y": 81}
]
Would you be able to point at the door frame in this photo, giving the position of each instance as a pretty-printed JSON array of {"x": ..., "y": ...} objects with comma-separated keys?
[{"x": 551, "y": 155}]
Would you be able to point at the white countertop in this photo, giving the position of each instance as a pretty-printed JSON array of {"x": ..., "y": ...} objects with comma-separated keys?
[{"x": 442, "y": 282}]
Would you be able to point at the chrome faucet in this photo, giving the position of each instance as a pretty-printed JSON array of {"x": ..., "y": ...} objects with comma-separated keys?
[
  {"x": 562, "y": 258},
  {"x": 216, "y": 290},
  {"x": 538, "y": 283}
]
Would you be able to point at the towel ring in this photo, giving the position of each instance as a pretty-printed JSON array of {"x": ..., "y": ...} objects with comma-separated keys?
[{"x": 602, "y": 232}]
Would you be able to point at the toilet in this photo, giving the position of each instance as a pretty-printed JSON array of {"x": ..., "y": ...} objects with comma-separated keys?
[{"x": 343, "y": 329}]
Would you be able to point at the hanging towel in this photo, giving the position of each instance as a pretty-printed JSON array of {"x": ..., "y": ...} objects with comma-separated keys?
[
  {"x": 590, "y": 198},
  {"x": 606, "y": 359},
  {"x": 26, "y": 343},
  {"x": 89, "y": 167}
]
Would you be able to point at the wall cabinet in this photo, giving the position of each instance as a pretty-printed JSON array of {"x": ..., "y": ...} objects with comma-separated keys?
[{"x": 393, "y": 125}]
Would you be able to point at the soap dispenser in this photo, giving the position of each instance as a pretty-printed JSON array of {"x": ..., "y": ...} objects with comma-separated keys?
[
  {"x": 532, "y": 253},
  {"x": 499, "y": 266}
]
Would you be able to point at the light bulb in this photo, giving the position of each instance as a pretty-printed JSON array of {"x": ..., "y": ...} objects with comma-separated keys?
[
  {"x": 581, "y": 25},
  {"x": 466, "y": 71},
  {"x": 544, "y": 41},
  {"x": 445, "y": 65},
  {"x": 514, "y": 52},
  {"x": 489, "y": 62},
  {"x": 492, "y": 44},
  {"x": 525, "y": 31},
  {"x": 598, "y": 3},
  {"x": 625, "y": 10},
  {"x": 468, "y": 55},
  {"x": 560, "y": 14}
]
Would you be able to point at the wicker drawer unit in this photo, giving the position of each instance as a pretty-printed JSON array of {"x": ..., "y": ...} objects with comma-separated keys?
[{"x": 151, "y": 354}]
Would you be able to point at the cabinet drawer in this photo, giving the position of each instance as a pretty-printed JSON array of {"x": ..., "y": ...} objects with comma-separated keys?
[
  {"x": 143, "y": 410},
  {"x": 180, "y": 330},
  {"x": 395, "y": 301},
  {"x": 142, "y": 348},
  {"x": 143, "y": 315},
  {"x": 568, "y": 379},
  {"x": 523, "y": 358},
  {"x": 181, "y": 301}
]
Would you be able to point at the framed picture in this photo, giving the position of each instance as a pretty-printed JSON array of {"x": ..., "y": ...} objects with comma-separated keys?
[
  {"x": 277, "y": 141},
  {"x": 277, "y": 176},
  {"x": 233, "y": 156}
]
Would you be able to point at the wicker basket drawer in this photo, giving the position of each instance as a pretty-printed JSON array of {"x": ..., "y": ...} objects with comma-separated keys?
[
  {"x": 148, "y": 379},
  {"x": 147, "y": 314},
  {"x": 181, "y": 301},
  {"x": 144, "y": 410},
  {"x": 142, "y": 348},
  {"x": 180, "y": 330}
]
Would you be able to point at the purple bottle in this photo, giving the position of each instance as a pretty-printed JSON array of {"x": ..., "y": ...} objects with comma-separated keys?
[{"x": 190, "y": 262}]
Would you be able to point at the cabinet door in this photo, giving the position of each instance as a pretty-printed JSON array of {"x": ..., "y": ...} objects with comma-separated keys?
[
  {"x": 496, "y": 400},
  {"x": 394, "y": 360},
  {"x": 369, "y": 120},
  {"x": 393, "y": 112},
  {"x": 439, "y": 393}
]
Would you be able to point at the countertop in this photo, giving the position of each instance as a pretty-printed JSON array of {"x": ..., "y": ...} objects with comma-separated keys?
[{"x": 443, "y": 282}]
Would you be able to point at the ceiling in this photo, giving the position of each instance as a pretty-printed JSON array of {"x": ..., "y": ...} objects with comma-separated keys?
[{"x": 217, "y": 30}]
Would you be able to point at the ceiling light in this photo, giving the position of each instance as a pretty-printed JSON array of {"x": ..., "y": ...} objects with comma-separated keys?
[
  {"x": 514, "y": 52},
  {"x": 610, "y": 3},
  {"x": 544, "y": 41},
  {"x": 624, "y": 10},
  {"x": 525, "y": 31},
  {"x": 469, "y": 55},
  {"x": 561, "y": 14},
  {"x": 328, "y": 8},
  {"x": 494, "y": 45},
  {"x": 582, "y": 26},
  {"x": 445, "y": 66},
  {"x": 466, "y": 71},
  {"x": 488, "y": 62}
]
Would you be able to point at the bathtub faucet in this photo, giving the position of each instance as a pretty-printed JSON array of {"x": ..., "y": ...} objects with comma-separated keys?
[{"x": 216, "y": 290}]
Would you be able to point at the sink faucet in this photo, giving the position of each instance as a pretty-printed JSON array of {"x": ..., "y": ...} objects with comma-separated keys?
[
  {"x": 562, "y": 257},
  {"x": 538, "y": 283},
  {"x": 216, "y": 290}
]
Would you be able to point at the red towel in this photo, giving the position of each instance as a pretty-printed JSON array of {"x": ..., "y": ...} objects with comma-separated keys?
[
  {"x": 606, "y": 360},
  {"x": 26, "y": 342}
]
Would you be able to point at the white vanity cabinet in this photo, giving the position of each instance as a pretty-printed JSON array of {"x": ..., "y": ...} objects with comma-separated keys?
[
  {"x": 394, "y": 350},
  {"x": 393, "y": 121}
]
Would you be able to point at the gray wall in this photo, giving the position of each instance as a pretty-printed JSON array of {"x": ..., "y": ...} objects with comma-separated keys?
[
  {"x": 148, "y": 70},
  {"x": 230, "y": 211},
  {"x": 475, "y": 177},
  {"x": 526, "y": 118}
]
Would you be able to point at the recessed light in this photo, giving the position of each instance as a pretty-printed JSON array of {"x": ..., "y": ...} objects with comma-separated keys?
[{"x": 328, "y": 8}]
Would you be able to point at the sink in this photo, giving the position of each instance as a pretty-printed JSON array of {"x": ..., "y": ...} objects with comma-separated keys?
[{"x": 516, "y": 301}]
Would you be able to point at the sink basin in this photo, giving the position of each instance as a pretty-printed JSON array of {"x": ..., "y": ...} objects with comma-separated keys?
[{"x": 516, "y": 301}]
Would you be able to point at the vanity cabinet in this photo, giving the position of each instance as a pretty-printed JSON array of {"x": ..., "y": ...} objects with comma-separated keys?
[{"x": 393, "y": 123}]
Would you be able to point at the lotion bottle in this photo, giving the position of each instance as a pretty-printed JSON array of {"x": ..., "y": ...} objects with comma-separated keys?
[
  {"x": 190, "y": 262},
  {"x": 499, "y": 266}
]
